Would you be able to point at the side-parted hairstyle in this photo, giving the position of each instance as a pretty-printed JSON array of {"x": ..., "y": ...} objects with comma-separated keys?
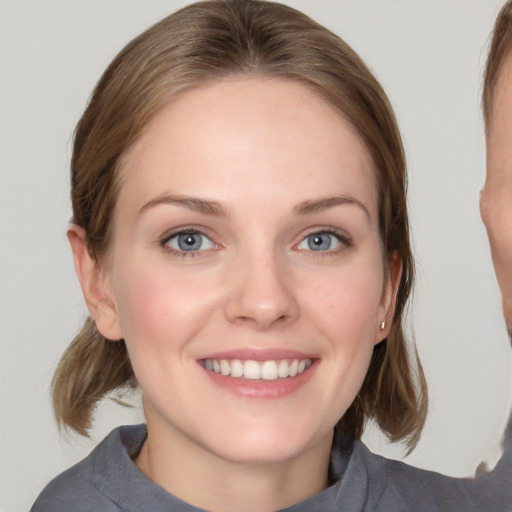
[
  {"x": 201, "y": 43},
  {"x": 499, "y": 49}
]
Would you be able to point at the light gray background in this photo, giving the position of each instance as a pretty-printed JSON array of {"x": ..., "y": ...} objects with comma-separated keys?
[{"x": 429, "y": 57}]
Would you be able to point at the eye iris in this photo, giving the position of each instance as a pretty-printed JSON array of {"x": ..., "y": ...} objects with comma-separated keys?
[
  {"x": 189, "y": 242},
  {"x": 319, "y": 241}
]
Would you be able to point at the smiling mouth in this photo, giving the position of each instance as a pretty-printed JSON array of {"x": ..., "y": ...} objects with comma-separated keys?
[{"x": 256, "y": 370}]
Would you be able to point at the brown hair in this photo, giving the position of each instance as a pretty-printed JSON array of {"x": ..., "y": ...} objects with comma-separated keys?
[
  {"x": 499, "y": 49},
  {"x": 203, "y": 42}
]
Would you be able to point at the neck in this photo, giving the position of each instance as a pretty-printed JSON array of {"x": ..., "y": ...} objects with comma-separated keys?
[{"x": 208, "y": 481}]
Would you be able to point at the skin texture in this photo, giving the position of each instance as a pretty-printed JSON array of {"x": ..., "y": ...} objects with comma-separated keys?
[
  {"x": 496, "y": 197},
  {"x": 259, "y": 152}
]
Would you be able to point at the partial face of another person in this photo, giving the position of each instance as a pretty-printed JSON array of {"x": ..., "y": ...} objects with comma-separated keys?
[
  {"x": 496, "y": 198},
  {"x": 246, "y": 273}
]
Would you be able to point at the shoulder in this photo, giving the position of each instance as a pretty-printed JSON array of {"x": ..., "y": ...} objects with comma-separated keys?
[
  {"x": 383, "y": 485},
  {"x": 417, "y": 489},
  {"x": 80, "y": 487},
  {"x": 73, "y": 490},
  {"x": 394, "y": 485}
]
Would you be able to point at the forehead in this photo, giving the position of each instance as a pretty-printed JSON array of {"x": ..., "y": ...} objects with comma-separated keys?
[{"x": 248, "y": 132}]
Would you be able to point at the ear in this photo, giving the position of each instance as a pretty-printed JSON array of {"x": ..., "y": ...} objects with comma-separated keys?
[
  {"x": 389, "y": 293},
  {"x": 98, "y": 296}
]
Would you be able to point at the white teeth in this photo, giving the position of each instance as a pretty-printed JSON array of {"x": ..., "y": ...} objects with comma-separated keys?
[
  {"x": 237, "y": 368},
  {"x": 283, "y": 370},
  {"x": 254, "y": 370},
  {"x": 293, "y": 368},
  {"x": 269, "y": 370},
  {"x": 225, "y": 369}
]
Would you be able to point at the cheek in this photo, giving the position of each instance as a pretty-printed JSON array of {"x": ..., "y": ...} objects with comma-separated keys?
[
  {"x": 158, "y": 308},
  {"x": 496, "y": 210},
  {"x": 498, "y": 222},
  {"x": 348, "y": 315},
  {"x": 349, "y": 299},
  {"x": 346, "y": 307}
]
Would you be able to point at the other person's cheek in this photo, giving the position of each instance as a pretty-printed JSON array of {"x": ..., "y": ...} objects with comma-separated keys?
[{"x": 496, "y": 213}]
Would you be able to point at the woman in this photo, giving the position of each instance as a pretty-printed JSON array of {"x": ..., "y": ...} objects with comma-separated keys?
[{"x": 241, "y": 237}]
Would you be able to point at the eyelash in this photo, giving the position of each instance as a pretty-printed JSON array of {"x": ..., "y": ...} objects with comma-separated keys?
[
  {"x": 163, "y": 243},
  {"x": 344, "y": 241}
]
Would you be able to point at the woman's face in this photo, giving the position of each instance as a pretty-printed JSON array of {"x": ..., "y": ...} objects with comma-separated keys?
[{"x": 246, "y": 242}]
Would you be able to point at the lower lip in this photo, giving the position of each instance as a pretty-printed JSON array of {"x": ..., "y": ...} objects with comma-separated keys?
[{"x": 268, "y": 389}]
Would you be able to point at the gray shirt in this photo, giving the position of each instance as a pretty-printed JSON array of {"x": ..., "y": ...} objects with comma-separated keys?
[{"x": 108, "y": 480}]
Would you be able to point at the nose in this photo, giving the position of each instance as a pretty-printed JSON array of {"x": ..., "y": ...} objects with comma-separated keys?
[{"x": 261, "y": 293}]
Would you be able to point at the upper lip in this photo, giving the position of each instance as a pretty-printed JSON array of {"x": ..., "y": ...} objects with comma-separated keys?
[{"x": 259, "y": 354}]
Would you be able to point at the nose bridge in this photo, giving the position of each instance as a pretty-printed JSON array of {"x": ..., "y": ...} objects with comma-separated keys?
[{"x": 262, "y": 290}]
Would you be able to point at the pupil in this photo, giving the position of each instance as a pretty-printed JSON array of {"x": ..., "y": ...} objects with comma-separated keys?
[
  {"x": 319, "y": 242},
  {"x": 189, "y": 241}
]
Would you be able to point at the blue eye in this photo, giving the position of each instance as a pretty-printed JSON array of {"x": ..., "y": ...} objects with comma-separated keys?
[
  {"x": 190, "y": 241},
  {"x": 321, "y": 241}
]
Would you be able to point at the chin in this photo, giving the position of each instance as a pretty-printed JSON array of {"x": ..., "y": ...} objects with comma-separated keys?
[{"x": 272, "y": 444}]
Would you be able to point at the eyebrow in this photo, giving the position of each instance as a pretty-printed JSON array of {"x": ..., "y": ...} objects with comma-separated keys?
[
  {"x": 192, "y": 203},
  {"x": 317, "y": 205},
  {"x": 209, "y": 207}
]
